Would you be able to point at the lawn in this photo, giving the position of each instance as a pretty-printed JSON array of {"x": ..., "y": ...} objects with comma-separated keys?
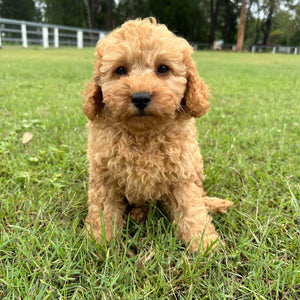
[{"x": 250, "y": 142}]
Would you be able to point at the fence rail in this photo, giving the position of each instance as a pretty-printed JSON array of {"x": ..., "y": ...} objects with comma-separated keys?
[
  {"x": 47, "y": 35},
  {"x": 253, "y": 49},
  {"x": 275, "y": 49}
]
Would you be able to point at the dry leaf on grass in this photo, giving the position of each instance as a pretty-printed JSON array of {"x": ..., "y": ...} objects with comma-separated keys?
[{"x": 27, "y": 137}]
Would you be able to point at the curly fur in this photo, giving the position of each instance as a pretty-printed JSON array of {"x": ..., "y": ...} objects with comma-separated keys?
[{"x": 154, "y": 155}]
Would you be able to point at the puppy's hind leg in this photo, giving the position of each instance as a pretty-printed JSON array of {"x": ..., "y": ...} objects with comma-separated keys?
[
  {"x": 139, "y": 213},
  {"x": 194, "y": 225}
]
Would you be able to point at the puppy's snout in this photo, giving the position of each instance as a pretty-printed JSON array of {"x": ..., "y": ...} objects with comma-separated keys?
[{"x": 140, "y": 100}]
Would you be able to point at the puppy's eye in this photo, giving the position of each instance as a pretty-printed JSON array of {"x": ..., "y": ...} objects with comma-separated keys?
[
  {"x": 162, "y": 69},
  {"x": 121, "y": 71}
]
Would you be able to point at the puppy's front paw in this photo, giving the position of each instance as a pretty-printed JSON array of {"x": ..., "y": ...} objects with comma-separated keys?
[
  {"x": 94, "y": 232},
  {"x": 103, "y": 228},
  {"x": 206, "y": 244}
]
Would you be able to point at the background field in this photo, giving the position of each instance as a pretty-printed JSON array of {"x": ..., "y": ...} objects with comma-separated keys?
[{"x": 250, "y": 142}]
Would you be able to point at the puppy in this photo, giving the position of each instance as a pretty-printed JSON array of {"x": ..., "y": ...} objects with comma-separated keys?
[{"x": 142, "y": 146}]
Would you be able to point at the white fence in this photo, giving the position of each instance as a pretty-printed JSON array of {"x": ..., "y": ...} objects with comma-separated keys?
[
  {"x": 275, "y": 49},
  {"x": 218, "y": 45},
  {"x": 47, "y": 35}
]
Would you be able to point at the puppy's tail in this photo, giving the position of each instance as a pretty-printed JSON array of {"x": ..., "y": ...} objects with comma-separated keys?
[{"x": 216, "y": 205}]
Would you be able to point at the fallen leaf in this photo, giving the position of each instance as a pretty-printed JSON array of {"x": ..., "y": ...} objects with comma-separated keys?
[{"x": 27, "y": 137}]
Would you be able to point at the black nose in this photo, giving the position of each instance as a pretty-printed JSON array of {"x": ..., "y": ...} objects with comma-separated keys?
[{"x": 140, "y": 100}]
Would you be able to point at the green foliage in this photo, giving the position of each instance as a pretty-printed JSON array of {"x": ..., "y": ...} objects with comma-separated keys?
[
  {"x": 19, "y": 10},
  {"x": 131, "y": 9},
  {"x": 227, "y": 22},
  {"x": 295, "y": 39},
  {"x": 284, "y": 27},
  {"x": 273, "y": 22},
  {"x": 189, "y": 19},
  {"x": 276, "y": 36},
  {"x": 66, "y": 12},
  {"x": 250, "y": 145},
  {"x": 181, "y": 17}
]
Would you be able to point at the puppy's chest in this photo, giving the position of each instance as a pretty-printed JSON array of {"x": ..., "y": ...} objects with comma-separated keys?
[
  {"x": 142, "y": 171},
  {"x": 138, "y": 166}
]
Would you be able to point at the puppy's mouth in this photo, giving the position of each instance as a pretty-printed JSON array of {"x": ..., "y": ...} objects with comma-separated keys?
[{"x": 142, "y": 113}]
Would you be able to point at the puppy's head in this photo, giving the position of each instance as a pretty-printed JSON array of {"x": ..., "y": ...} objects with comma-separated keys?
[{"x": 144, "y": 74}]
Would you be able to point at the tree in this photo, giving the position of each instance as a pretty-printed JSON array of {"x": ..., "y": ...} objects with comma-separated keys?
[
  {"x": 241, "y": 30},
  {"x": 131, "y": 9},
  {"x": 187, "y": 18},
  {"x": 99, "y": 13},
  {"x": 227, "y": 21},
  {"x": 271, "y": 22},
  {"x": 285, "y": 24},
  {"x": 110, "y": 5},
  {"x": 65, "y": 12},
  {"x": 20, "y": 10},
  {"x": 270, "y": 9},
  {"x": 295, "y": 38},
  {"x": 93, "y": 9},
  {"x": 214, "y": 11},
  {"x": 174, "y": 13}
]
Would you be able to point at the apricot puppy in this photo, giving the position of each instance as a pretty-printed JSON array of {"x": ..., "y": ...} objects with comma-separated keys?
[{"x": 142, "y": 145}]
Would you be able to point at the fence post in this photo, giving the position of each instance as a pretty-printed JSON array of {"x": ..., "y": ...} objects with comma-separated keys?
[
  {"x": 56, "y": 38},
  {"x": 295, "y": 51},
  {"x": 79, "y": 39},
  {"x": 101, "y": 35},
  {"x": 274, "y": 50},
  {"x": 253, "y": 49},
  {"x": 45, "y": 37},
  {"x": 0, "y": 39},
  {"x": 24, "y": 36}
]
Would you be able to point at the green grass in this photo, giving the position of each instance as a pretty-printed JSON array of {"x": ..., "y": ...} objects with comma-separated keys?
[{"x": 250, "y": 141}]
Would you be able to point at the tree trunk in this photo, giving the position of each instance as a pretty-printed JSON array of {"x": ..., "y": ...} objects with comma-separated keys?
[
  {"x": 88, "y": 12},
  {"x": 248, "y": 12},
  {"x": 214, "y": 10},
  {"x": 227, "y": 21},
  {"x": 268, "y": 24},
  {"x": 241, "y": 30},
  {"x": 93, "y": 9},
  {"x": 109, "y": 14}
]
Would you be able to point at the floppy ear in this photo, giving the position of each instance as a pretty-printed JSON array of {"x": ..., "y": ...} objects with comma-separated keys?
[
  {"x": 93, "y": 100},
  {"x": 196, "y": 96}
]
